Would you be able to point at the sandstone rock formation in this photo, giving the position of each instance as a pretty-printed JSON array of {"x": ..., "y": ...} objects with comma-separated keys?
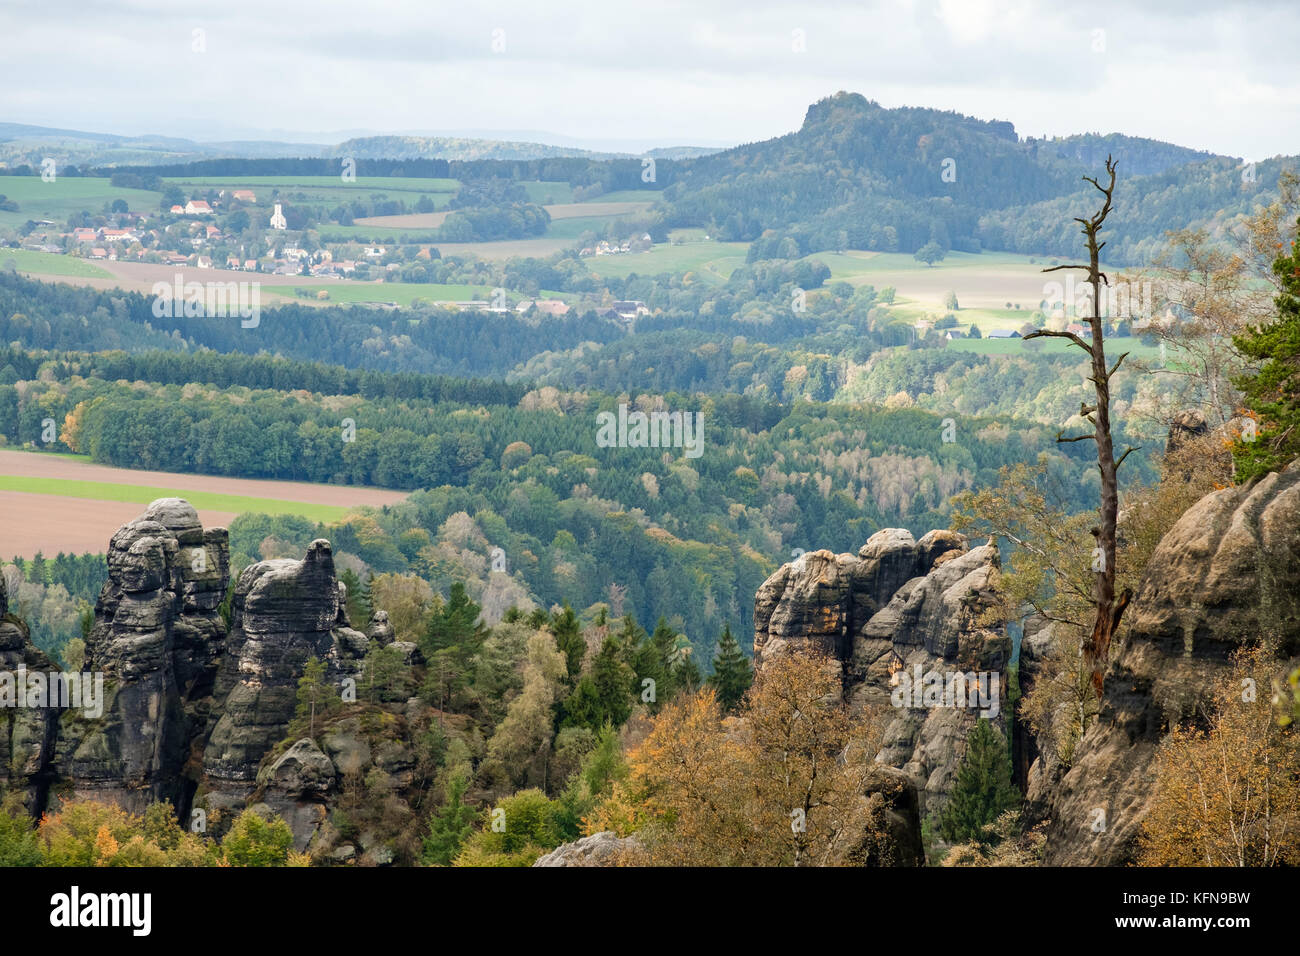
[
  {"x": 898, "y": 609},
  {"x": 284, "y": 611},
  {"x": 600, "y": 849},
  {"x": 27, "y": 735},
  {"x": 1186, "y": 427},
  {"x": 187, "y": 705},
  {"x": 1226, "y": 575},
  {"x": 156, "y": 638},
  {"x": 379, "y": 630}
]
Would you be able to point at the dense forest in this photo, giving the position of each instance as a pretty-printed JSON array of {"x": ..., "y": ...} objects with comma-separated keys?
[{"x": 522, "y": 470}]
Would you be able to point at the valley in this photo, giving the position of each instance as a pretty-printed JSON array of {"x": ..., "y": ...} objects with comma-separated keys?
[{"x": 741, "y": 477}]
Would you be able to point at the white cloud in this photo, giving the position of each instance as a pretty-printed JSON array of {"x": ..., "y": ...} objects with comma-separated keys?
[{"x": 670, "y": 72}]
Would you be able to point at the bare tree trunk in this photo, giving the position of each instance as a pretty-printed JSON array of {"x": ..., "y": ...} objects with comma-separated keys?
[{"x": 1108, "y": 609}]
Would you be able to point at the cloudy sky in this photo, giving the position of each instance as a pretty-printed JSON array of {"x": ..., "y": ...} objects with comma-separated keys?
[{"x": 636, "y": 73}]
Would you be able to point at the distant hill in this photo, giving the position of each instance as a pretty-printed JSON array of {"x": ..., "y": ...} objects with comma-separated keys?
[
  {"x": 23, "y": 143},
  {"x": 858, "y": 175},
  {"x": 453, "y": 147}
]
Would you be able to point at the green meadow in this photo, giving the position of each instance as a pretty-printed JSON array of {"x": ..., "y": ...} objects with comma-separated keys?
[
  {"x": 141, "y": 494},
  {"x": 324, "y": 188},
  {"x": 58, "y": 200},
  {"x": 712, "y": 261},
  {"x": 51, "y": 264}
]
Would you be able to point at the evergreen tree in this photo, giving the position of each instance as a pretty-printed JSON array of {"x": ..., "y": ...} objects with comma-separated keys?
[
  {"x": 983, "y": 788},
  {"x": 654, "y": 659},
  {"x": 454, "y": 625},
  {"x": 604, "y": 695},
  {"x": 732, "y": 672},
  {"x": 358, "y": 599},
  {"x": 449, "y": 826},
  {"x": 316, "y": 697},
  {"x": 1273, "y": 392},
  {"x": 569, "y": 640}
]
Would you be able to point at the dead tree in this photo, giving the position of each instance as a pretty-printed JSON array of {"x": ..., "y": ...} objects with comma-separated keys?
[{"x": 1108, "y": 608}]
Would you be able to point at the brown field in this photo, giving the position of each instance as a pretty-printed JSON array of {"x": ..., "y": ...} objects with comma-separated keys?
[{"x": 52, "y": 523}]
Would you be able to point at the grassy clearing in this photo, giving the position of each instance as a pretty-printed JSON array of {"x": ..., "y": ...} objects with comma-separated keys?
[
  {"x": 403, "y": 293},
  {"x": 710, "y": 260},
  {"x": 545, "y": 193},
  {"x": 51, "y": 264},
  {"x": 322, "y": 187},
  {"x": 58, "y": 200},
  {"x": 140, "y": 494},
  {"x": 630, "y": 195}
]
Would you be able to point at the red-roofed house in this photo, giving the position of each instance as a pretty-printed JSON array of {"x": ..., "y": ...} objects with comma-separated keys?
[{"x": 198, "y": 207}]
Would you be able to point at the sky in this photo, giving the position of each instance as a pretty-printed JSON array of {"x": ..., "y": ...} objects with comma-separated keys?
[{"x": 633, "y": 74}]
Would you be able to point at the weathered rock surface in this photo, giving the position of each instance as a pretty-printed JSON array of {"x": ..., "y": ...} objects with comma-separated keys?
[
  {"x": 1036, "y": 766},
  {"x": 600, "y": 849},
  {"x": 284, "y": 611},
  {"x": 899, "y": 609},
  {"x": 1187, "y": 426},
  {"x": 1226, "y": 574},
  {"x": 156, "y": 638},
  {"x": 188, "y": 706},
  {"x": 295, "y": 787},
  {"x": 27, "y": 734},
  {"x": 380, "y": 630}
]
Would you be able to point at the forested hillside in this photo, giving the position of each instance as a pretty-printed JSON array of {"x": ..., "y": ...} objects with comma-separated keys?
[{"x": 681, "y": 536}]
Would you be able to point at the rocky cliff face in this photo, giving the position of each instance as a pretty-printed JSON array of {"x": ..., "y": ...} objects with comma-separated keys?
[
  {"x": 283, "y": 612},
  {"x": 1227, "y": 574},
  {"x": 156, "y": 639},
  {"x": 899, "y": 616},
  {"x": 187, "y": 705},
  {"x": 27, "y": 735}
]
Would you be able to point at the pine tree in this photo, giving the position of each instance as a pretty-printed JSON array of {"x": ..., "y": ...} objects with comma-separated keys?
[
  {"x": 358, "y": 598},
  {"x": 454, "y": 625},
  {"x": 316, "y": 697},
  {"x": 1273, "y": 392},
  {"x": 604, "y": 695},
  {"x": 732, "y": 672},
  {"x": 449, "y": 826},
  {"x": 983, "y": 788},
  {"x": 569, "y": 640}
]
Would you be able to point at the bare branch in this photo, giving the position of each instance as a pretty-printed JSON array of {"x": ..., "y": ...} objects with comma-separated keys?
[
  {"x": 1040, "y": 333},
  {"x": 1125, "y": 455},
  {"x": 1063, "y": 440},
  {"x": 1116, "y": 366}
]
